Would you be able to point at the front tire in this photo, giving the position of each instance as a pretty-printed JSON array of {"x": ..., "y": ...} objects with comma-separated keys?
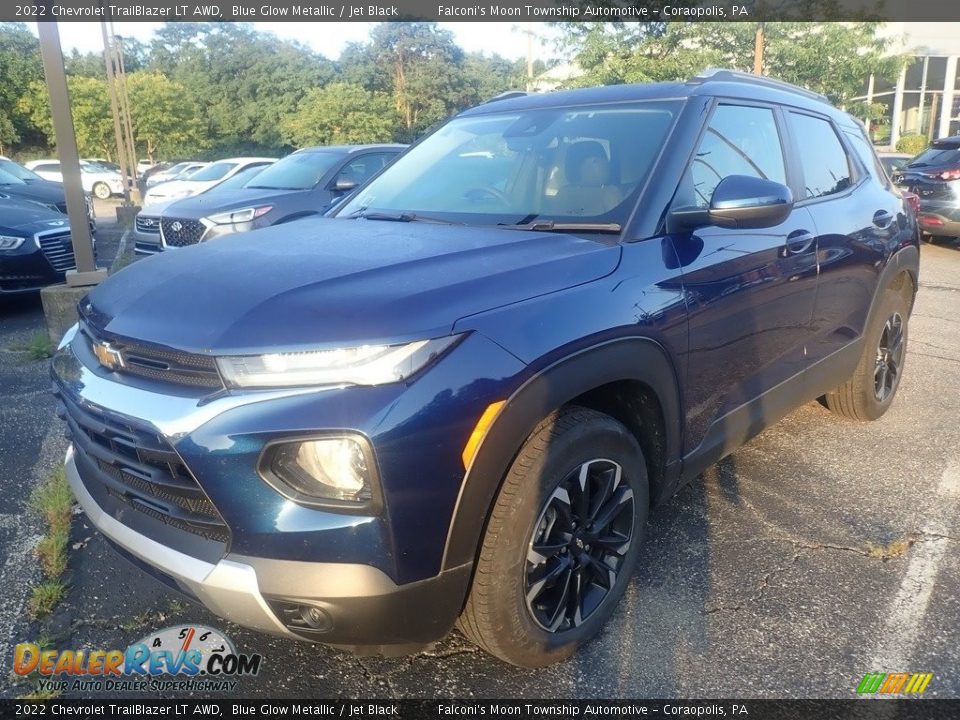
[
  {"x": 868, "y": 394},
  {"x": 102, "y": 190},
  {"x": 562, "y": 540}
]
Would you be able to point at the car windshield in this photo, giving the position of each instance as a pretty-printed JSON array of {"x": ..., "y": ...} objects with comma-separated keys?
[
  {"x": 937, "y": 155},
  {"x": 300, "y": 171},
  {"x": 18, "y": 171},
  {"x": 212, "y": 172},
  {"x": 93, "y": 168},
  {"x": 8, "y": 179},
  {"x": 574, "y": 165},
  {"x": 176, "y": 169},
  {"x": 240, "y": 179}
]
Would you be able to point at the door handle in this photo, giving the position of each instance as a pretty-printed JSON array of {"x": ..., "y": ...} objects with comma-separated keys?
[
  {"x": 799, "y": 242},
  {"x": 882, "y": 219}
]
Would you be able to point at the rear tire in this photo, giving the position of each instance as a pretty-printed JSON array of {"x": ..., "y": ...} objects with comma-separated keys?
[
  {"x": 562, "y": 540},
  {"x": 102, "y": 190},
  {"x": 868, "y": 394}
]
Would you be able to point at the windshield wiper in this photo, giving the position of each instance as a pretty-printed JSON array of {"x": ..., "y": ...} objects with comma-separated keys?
[
  {"x": 399, "y": 217},
  {"x": 552, "y": 226}
]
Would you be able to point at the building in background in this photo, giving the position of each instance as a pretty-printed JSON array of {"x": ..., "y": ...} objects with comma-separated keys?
[{"x": 925, "y": 98}]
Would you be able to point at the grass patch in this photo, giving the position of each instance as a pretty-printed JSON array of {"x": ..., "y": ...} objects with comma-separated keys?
[
  {"x": 45, "y": 597},
  {"x": 895, "y": 549},
  {"x": 41, "y": 694},
  {"x": 39, "y": 346},
  {"x": 53, "y": 501}
]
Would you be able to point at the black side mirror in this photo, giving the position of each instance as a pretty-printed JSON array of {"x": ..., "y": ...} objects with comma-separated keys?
[
  {"x": 344, "y": 184},
  {"x": 738, "y": 201}
]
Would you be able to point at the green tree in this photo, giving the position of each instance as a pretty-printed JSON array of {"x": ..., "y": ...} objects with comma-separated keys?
[
  {"x": 165, "y": 122},
  {"x": 19, "y": 67},
  {"x": 8, "y": 132},
  {"x": 831, "y": 58},
  {"x": 243, "y": 81},
  {"x": 425, "y": 68},
  {"x": 90, "y": 104},
  {"x": 341, "y": 114}
]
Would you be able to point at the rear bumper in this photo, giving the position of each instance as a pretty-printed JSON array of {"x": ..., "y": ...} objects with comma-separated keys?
[
  {"x": 936, "y": 223},
  {"x": 357, "y": 606}
]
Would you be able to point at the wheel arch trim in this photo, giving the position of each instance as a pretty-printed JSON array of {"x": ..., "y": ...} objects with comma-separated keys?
[{"x": 635, "y": 358}]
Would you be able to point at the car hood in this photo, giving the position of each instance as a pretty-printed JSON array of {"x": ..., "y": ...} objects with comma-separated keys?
[
  {"x": 25, "y": 218},
  {"x": 328, "y": 282},
  {"x": 215, "y": 201},
  {"x": 166, "y": 189},
  {"x": 45, "y": 192}
]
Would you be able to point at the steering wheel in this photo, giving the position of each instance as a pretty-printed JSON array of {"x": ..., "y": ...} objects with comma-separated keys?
[{"x": 481, "y": 193}]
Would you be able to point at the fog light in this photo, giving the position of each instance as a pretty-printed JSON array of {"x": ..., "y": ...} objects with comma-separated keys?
[
  {"x": 315, "y": 617},
  {"x": 335, "y": 469}
]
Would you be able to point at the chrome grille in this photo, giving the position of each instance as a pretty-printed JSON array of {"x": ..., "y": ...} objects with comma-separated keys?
[
  {"x": 148, "y": 225},
  {"x": 141, "y": 469},
  {"x": 162, "y": 364},
  {"x": 58, "y": 248},
  {"x": 178, "y": 232}
]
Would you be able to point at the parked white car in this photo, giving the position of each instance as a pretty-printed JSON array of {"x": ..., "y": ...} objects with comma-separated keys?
[
  {"x": 176, "y": 172},
  {"x": 96, "y": 179},
  {"x": 208, "y": 177}
]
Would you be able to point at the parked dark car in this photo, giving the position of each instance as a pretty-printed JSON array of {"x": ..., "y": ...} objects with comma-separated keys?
[
  {"x": 19, "y": 183},
  {"x": 146, "y": 226},
  {"x": 934, "y": 175},
  {"x": 304, "y": 183},
  {"x": 35, "y": 246},
  {"x": 456, "y": 400}
]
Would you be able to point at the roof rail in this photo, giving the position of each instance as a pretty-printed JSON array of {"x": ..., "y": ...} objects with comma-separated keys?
[
  {"x": 721, "y": 75},
  {"x": 508, "y": 95}
]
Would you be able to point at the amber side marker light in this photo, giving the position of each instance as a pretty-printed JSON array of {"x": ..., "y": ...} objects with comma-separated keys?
[{"x": 479, "y": 431}]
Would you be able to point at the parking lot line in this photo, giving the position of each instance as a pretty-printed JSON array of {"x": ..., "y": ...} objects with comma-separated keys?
[{"x": 909, "y": 606}]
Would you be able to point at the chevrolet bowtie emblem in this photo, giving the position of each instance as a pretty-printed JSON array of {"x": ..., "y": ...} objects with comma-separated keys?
[{"x": 108, "y": 357}]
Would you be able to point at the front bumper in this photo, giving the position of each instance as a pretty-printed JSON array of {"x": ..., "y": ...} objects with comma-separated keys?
[
  {"x": 360, "y": 606},
  {"x": 379, "y": 581}
]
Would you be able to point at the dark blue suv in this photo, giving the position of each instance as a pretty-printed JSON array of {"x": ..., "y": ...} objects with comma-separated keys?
[{"x": 456, "y": 401}]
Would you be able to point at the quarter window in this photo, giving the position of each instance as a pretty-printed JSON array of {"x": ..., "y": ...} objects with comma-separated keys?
[
  {"x": 739, "y": 140},
  {"x": 826, "y": 167}
]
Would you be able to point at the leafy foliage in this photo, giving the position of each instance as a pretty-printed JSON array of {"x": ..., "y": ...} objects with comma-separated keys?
[
  {"x": 911, "y": 144},
  {"x": 829, "y": 58},
  {"x": 342, "y": 114}
]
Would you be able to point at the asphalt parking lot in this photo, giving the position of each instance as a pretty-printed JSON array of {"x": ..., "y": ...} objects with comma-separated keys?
[{"x": 822, "y": 550}]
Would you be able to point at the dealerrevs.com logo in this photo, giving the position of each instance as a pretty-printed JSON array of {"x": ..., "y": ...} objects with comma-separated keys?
[{"x": 185, "y": 658}]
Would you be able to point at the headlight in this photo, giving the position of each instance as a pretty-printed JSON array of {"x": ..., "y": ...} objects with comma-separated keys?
[
  {"x": 336, "y": 470},
  {"x": 363, "y": 365},
  {"x": 239, "y": 216},
  {"x": 8, "y": 242}
]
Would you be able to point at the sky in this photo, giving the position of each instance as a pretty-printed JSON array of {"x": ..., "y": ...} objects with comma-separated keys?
[{"x": 329, "y": 38}]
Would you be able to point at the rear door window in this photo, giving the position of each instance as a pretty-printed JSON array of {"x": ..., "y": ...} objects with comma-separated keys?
[{"x": 823, "y": 159}]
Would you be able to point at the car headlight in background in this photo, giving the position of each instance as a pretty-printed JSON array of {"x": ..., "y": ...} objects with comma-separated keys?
[
  {"x": 8, "y": 242},
  {"x": 362, "y": 365},
  {"x": 338, "y": 470},
  {"x": 243, "y": 215}
]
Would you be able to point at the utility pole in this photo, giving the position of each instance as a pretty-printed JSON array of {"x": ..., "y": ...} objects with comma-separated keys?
[
  {"x": 758, "y": 51},
  {"x": 50, "y": 51},
  {"x": 122, "y": 125},
  {"x": 526, "y": 30}
]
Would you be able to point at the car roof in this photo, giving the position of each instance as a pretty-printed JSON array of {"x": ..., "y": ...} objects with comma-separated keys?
[
  {"x": 245, "y": 160},
  {"x": 348, "y": 149},
  {"x": 710, "y": 83},
  {"x": 953, "y": 141}
]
